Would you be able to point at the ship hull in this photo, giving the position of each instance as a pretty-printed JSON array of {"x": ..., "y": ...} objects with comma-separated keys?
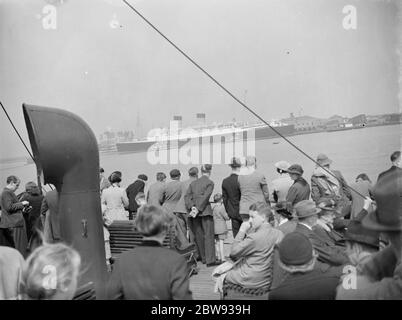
[{"x": 260, "y": 133}]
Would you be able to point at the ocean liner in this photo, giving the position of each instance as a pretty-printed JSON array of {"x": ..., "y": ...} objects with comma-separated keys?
[{"x": 176, "y": 136}]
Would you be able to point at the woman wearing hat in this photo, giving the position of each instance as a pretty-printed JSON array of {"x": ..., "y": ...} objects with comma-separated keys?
[
  {"x": 281, "y": 185},
  {"x": 300, "y": 189},
  {"x": 283, "y": 218},
  {"x": 325, "y": 185},
  {"x": 306, "y": 278}
]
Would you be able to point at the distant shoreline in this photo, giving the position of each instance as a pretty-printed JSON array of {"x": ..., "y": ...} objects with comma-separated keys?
[{"x": 25, "y": 158}]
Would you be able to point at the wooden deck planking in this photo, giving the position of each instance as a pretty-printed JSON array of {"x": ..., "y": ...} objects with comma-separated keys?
[{"x": 202, "y": 285}]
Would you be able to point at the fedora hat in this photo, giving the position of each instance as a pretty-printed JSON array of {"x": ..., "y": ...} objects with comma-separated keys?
[
  {"x": 323, "y": 159},
  {"x": 356, "y": 232},
  {"x": 295, "y": 249},
  {"x": 388, "y": 196},
  {"x": 235, "y": 162},
  {"x": 296, "y": 169},
  {"x": 282, "y": 165},
  {"x": 305, "y": 209},
  {"x": 327, "y": 206}
]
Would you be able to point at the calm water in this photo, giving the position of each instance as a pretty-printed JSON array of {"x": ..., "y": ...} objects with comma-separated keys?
[{"x": 353, "y": 152}]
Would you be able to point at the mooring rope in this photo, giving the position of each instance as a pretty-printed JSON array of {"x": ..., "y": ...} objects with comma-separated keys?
[{"x": 231, "y": 94}]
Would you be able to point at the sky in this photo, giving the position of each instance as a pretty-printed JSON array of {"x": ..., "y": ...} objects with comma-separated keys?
[{"x": 108, "y": 66}]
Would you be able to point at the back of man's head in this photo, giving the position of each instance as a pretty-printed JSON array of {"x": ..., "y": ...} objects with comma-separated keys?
[
  {"x": 193, "y": 172},
  {"x": 395, "y": 156},
  {"x": 160, "y": 176}
]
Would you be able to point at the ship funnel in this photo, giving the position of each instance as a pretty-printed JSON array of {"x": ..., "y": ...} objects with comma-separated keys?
[
  {"x": 66, "y": 153},
  {"x": 201, "y": 119}
]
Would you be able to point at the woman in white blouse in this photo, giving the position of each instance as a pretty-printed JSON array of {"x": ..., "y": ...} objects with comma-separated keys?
[{"x": 114, "y": 200}]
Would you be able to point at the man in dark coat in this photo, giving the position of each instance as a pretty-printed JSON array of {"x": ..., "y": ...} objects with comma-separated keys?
[
  {"x": 307, "y": 212},
  {"x": 132, "y": 190},
  {"x": 201, "y": 219},
  {"x": 155, "y": 190},
  {"x": 305, "y": 278},
  {"x": 396, "y": 164},
  {"x": 12, "y": 223},
  {"x": 231, "y": 195},
  {"x": 33, "y": 195}
]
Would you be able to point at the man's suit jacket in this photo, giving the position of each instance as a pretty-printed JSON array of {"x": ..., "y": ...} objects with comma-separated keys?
[
  {"x": 11, "y": 210},
  {"x": 391, "y": 170},
  {"x": 181, "y": 204},
  {"x": 331, "y": 238},
  {"x": 149, "y": 272},
  {"x": 231, "y": 196},
  {"x": 155, "y": 193},
  {"x": 171, "y": 195},
  {"x": 287, "y": 227},
  {"x": 198, "y": 195},
  {"x": 333, "y": 256},
  {"x": 132, "y": 190}
]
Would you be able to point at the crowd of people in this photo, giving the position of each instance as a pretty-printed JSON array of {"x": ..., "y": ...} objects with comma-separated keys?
[{"x": 295, "y": 241}]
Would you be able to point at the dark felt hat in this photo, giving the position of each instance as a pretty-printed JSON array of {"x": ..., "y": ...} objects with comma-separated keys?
[
  {"x": 327, "y": 206},
  {"x": 295, "y": 249},
  {"x": 388, "y": 196},
  {"x": 356, "y": 232},
  {"x": 296, "y": 169},
  {"x": 306, "y": 208},
  {"x": 323, "y": 159}
]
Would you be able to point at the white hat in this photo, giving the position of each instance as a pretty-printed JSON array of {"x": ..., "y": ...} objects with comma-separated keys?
[{"x": 282, "y": 165}]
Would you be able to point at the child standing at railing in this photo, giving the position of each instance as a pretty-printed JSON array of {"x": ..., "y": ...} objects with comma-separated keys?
[{"x": 221, "y": 229}]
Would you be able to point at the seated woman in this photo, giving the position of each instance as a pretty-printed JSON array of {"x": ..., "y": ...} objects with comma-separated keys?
[
  {"x": 51, "y": 273},
  {"x": 252, "y": 249},
  {"x": 150, "y": 271}
]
